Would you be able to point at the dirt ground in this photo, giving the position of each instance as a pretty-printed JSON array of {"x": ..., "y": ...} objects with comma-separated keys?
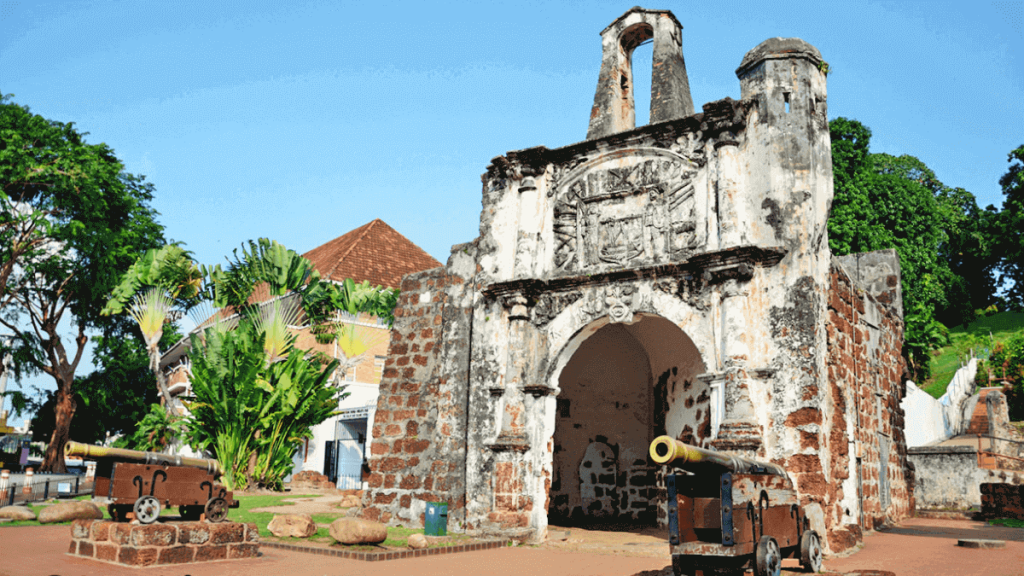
[{"x": 919, "y": 547}]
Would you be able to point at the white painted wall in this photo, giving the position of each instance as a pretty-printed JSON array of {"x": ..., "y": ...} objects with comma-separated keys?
[{"x": 929, "y": 421}]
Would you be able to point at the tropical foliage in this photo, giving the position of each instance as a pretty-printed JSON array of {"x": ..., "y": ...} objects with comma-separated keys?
[
  {"x": 71, "y": 220},
  {"x": 945, "y": 242}
]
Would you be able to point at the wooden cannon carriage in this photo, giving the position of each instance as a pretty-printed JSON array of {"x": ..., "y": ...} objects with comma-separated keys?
[
  {"x": 732, "y": 514},
  {"x": 140, "y": 484}
]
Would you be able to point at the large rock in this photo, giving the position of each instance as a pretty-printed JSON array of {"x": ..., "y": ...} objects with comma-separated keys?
[
  {"x": 358, "y": 531},
  {"x": 417, "y": 541},
  {"x": 73, "y": 510},
  {"x": 17, "y": 513},
  {"x": 293, "y": 525}
]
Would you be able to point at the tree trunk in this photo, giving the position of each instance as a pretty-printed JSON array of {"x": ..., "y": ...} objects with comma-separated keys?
[
  {"x": 161, "y": 381},
  {"x": 64, "y": 409}
]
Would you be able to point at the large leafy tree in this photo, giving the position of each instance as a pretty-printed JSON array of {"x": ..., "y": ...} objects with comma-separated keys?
[
  {"x": 944, "y": 242},
  {"x": 1011, "y": 227},
  {"x": 114, "y": 397},
  {"x": 71, "y": 221}
]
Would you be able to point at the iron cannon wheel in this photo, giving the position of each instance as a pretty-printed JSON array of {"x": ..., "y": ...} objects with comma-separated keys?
[
  {"x": 810, "y": 551},
  {"x": 147, "y": 509},
  {"x": 769, "y": 557},
  {"x": 217, "y": 510}
]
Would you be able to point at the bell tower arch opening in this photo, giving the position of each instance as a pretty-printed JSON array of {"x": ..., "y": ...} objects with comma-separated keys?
[{"x": 620, "y": 386}]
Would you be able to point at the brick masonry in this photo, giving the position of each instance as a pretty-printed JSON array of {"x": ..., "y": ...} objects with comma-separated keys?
[
  {"x": 139, "y": 545},
  {"x": 1002, "y": 501},
  {"x": 865, "y": 369}
]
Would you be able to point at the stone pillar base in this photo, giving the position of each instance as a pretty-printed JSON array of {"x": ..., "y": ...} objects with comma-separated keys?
[
  {"x": 738, "y": 436},
  {"x": 171, "y": 543}
]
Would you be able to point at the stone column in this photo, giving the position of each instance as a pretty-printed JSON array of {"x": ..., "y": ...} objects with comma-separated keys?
[
  {"x": 512, "y": 432},
  {"x": 732, "y": 219},
  {"x": 739, "y": 429}
]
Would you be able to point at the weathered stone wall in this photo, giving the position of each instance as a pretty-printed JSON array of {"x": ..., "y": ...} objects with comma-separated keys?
[
  {"x": 947, "y": 477},
  {"x": 869, "y": 478},
  {"x": 138, "y": 545},
  {"x": 673, "y": 279},
  {"x": 418, "y": 450}
]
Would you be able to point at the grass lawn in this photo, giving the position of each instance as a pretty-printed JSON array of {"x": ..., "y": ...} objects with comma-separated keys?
[
  {"x": 1011, "y": 522},
  {"x": 945, "y": 364}
]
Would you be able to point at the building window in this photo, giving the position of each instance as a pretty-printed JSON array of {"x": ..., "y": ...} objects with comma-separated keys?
[
  {"x": 378, "y": 368},
  {"x": 350, "y": 376}
]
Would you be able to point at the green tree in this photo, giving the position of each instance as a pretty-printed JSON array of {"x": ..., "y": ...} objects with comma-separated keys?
[
  {"x": 71, "y": 221},
  {"x": 1011, "y": 227},
  {"x": 945, "y": 244},
  {"x": 116, "y": 395},
  {"x": 157, "y": 282}
]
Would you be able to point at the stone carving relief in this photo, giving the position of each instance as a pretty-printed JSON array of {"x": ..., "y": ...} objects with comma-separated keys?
[
  {"x": 550, "y": 305},
  {"x": 619, "y": 302},
  {"x": 627, "y": 215}
]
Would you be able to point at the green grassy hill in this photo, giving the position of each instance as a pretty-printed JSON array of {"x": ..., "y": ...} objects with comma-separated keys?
[{"x": 981, "y": 335}]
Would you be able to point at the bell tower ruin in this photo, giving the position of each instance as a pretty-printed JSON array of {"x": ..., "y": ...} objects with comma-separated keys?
[{"x": 669, "y": 279}]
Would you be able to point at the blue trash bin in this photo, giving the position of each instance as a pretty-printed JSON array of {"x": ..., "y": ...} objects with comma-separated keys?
[{"x": 436, "y": 523}]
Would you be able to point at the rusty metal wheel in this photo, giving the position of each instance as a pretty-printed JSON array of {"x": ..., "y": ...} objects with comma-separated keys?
[
  {"x": 810, "y": 551},
  {"x": 768, "y": 557},
  {"x": 147, "y": 509},
  {"x": 216, "y": 510}
]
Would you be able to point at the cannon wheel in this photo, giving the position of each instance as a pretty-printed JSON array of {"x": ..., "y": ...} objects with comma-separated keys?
[
  {"x": 118, "y": 512},
  {"x": 810, "y": 551},
  {"x": 147, "y": 509},
  {"x": 217, "y": 510},
  {"x": 769, "y": 557},
  {"x": 190, "y": 512}
]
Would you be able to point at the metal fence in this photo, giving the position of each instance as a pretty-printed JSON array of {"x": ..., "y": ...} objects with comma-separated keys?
[{"x": 45, "y": 488}]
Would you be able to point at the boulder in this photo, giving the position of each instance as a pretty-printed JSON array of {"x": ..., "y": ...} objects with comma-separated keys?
[
  {"x": 417, "y": 541},
  {"x": 17, "y": 513},
  {"x": 350, "y": 502},
  {"x": 73, "y": 510},
  {"x": 358, "y": 531},
  {"x": 293, "y": 525}
]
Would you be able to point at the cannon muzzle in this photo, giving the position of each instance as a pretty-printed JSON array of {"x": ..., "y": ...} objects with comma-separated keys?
[
  {"x": 77, "y": 449},
  {"x": 666, "y": 450}
]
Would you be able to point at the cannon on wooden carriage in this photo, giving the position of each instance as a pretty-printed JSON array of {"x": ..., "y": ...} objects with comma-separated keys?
[
  {"x": 732, "y": 513},
  {"x": 143, "y": 483}
]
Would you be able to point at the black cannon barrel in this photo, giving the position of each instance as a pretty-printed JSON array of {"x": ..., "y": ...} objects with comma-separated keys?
[
  {"x": 666, "y": 449},
  {"x": 77, "y": 449}
]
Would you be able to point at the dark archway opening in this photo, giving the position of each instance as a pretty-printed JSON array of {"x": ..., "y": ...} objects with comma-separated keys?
[{"x": 623, "y": 386}]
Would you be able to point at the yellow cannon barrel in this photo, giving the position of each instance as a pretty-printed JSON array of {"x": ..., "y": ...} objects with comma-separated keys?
[
  {"x": 665, "y": 450},
  {"x": 77, "y": 449}
]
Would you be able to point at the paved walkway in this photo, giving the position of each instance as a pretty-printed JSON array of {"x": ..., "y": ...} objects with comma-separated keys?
[{"x": 919, "y": 547}]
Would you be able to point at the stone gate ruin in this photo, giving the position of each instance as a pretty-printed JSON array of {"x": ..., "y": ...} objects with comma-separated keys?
[{"x": 669, "y": 279}]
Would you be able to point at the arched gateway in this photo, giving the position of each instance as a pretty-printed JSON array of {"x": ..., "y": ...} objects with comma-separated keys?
[{"x": 674, "y": 278}]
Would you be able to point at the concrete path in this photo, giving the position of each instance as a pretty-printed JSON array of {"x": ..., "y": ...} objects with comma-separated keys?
[{"x": 919, "y": 547}]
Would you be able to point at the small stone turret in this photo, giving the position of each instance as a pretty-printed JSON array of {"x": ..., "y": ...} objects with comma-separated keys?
[
  {"x": 788, "y": 137},
  {"x": 614, "y": 109}
]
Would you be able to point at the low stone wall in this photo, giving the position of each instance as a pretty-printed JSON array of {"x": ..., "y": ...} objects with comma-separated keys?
[
  {"x": 947, "y": 477},
  {"x": 159, "y": 543},
  {"x": 1002, "y": 501}
]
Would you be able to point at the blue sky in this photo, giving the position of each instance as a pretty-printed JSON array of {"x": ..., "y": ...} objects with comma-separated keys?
[{"x": 299, "y": 121}]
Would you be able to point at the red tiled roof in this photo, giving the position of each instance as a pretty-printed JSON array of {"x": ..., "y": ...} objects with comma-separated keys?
[{"x": 374, "y": 252}]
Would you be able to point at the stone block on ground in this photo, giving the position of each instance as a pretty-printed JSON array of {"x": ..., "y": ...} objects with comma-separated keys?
[
  {"x": 74, "y": 510},
  {"x": 417, "y": 541},
  {"x": 358, "y": 531},
  {"x": 17, "y": 513},
  {"x": 292, "y": 525},
  {"x": 171, "y": 543}
]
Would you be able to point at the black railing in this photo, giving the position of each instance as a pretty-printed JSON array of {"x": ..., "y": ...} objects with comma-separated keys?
[{"x": 45, "y": 488}]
